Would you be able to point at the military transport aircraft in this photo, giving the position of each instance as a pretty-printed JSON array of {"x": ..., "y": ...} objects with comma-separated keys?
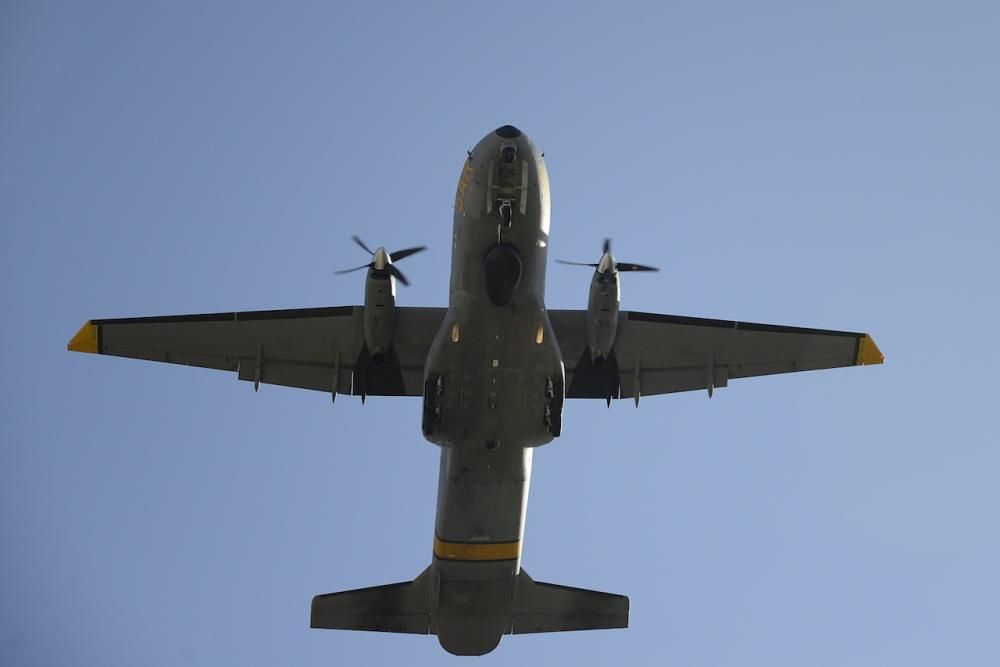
[{"x": 493, "y": 369}]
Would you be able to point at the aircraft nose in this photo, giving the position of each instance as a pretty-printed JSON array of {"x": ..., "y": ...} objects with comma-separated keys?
[{"x": 508, "y": 132}]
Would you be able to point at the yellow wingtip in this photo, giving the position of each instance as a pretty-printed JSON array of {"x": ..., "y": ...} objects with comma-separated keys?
[
  {"x": 85, "y": 339},
  {"x": 868, "y": 352}
]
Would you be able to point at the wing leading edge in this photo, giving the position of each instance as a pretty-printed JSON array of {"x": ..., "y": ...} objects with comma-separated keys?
[
  {"x": 660, "y": 354},
  {"x": 311, "y": 348}
]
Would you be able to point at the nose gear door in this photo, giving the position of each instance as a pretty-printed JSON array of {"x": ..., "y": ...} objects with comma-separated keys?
[{"x": 507, "y": 184}]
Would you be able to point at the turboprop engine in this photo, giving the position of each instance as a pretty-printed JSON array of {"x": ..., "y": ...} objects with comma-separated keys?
[
  {"x": 602, "y": 306},
  {"x": 380, "y": 296}
]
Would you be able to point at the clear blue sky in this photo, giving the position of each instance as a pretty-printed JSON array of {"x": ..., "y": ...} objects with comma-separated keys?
[{"x": 834, "y": 165}]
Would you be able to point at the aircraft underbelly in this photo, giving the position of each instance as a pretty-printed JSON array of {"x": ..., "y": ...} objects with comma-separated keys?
[
  {"x": 491, "y": 378},
  {"x": 482, "y": 500}
]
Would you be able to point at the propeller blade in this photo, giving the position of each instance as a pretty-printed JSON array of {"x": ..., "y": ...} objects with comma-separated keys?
[
  {"x": 607, "y": 246},
  {"x": 625, "y": 266},
  {"x": 362, "y": 244},
  {"x": 356, "y": 268},
  {"x": 391, "y": 268},
  {"x": 563, "y": 261},
  {"x": 400, "y": 254}
]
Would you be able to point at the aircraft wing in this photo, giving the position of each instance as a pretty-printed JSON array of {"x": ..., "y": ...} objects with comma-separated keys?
[
  {"x": 661, "y": 354},
  {"x": 311, "y": 348}
]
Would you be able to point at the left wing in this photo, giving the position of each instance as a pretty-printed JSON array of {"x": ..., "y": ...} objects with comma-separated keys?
[
  {"x": 310, "y": 348},
  {"x": 660, "y": 354}
]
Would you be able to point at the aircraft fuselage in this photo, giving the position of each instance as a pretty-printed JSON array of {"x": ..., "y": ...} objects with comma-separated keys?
[{"x": 494, "y": 385}]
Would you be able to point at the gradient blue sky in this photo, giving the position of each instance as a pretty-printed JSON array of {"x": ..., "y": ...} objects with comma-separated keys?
[{"x": 818, "y": 164}]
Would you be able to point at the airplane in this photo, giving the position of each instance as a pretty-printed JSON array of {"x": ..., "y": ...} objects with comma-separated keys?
[{"x": 493, "y": 370}]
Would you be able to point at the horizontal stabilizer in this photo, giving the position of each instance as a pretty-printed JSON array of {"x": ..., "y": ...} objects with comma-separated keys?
[
  {"x": 541, "y": 607},
  {"x": 403, "y": 607}
]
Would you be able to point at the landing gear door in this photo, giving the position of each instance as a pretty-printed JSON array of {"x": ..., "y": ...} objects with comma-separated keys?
[{"x": 507, "y": 183}]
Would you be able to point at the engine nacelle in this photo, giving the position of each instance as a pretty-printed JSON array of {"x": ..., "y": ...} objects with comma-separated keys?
[
  {"x": 602, "y": 315},
  {"x": 380, "y": 316},
  {"x": 602, "y": 308}
]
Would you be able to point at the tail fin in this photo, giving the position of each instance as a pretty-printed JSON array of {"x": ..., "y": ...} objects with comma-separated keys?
[
  {"x": 541, "y": 607},
  {"x": 403, "y": 607}
]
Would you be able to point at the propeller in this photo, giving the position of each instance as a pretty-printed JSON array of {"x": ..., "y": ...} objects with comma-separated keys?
[
  {"x": 383, "y": 261},
  {"x": 619, "y": 266}
]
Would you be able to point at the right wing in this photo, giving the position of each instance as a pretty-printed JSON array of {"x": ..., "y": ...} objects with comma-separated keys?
[
  {"x": 310, "y": 348},
  {"x": 662, "y": 354}
]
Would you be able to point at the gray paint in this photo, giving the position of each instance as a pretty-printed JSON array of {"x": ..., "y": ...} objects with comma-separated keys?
[{"x": 493, "y": 379}]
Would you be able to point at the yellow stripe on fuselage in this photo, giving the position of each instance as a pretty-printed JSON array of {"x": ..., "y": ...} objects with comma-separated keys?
[{"x": 476, "y": 550}]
